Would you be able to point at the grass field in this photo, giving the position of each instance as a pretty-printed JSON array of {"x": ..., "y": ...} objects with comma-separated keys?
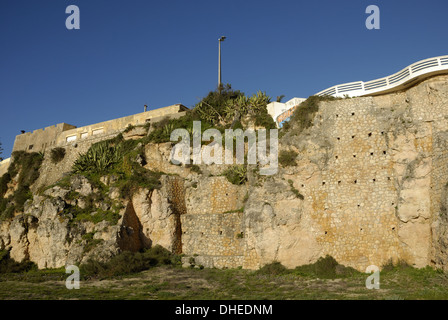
[{"x": 169, "y": 282}]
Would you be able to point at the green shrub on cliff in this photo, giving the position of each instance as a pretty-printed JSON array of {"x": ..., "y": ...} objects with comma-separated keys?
[
  {"x": 236, "y": 174},
  {"x": 121, "y": 158},
  {"x": 303, "y": 116},
  {"x": 27, "y": 165},
  {"x": 215, "y": 106},
  {"x": 24, "y": 169},
  {"x": 100, "y": 157},
  {"x": 287, "y": 158},
  {"x": 57, "y": 155},
  {"x": 227, "y": 107}
]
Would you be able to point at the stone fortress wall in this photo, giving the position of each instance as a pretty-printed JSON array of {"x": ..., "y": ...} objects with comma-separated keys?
[
  {"x": 373, "y": 172},
  {"x": 63, "y": 134}
]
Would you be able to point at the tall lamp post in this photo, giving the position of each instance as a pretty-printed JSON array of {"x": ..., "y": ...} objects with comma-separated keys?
[{"x": 219, "y": 63}]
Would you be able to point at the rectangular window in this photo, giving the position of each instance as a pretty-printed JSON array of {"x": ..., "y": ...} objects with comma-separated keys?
[
  {"x": 71, "y": 138},
  {"x": 30, "y": 147},
  {"x": 97, "y": 131}
]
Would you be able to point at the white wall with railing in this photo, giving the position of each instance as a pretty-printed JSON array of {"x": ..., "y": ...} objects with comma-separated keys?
[
  {"x": 398, "y": 81},
  {"x": 276, "y": 109}
]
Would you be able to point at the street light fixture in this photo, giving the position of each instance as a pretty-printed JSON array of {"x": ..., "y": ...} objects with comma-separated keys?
[{"x": 219, "y": 63}]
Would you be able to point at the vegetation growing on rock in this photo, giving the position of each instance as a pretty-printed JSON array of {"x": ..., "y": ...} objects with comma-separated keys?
[
  {"x": 23, "y": 172},
  {"x": 57, "y": 154}
]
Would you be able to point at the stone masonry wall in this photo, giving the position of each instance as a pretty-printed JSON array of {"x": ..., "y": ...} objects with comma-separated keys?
[
  {"x": 56, "y": 136},
  {"x": 376, "y": 170},
  {"x": 369, "y": 186},
  {"x": 212, "y": 226}
]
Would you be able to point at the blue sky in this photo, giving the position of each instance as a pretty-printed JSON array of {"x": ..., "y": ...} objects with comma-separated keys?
[{"x": 131, "y": 53}]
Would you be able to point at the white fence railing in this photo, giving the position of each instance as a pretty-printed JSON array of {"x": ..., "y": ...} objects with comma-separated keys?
[{"x": 397, "y": 81}]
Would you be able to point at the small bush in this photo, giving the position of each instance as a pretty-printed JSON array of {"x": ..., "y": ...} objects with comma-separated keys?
[
  {"x": 8, "y": 265},
  {"x": 129, "y": 128},
  {"x": 236, "y": 174},
  {"x": 57, "y": 154},
  {"x": 196, "y": 168},
  {"x": 4, "y": 180},
  {"x": 264, "y": 119},
  {"x": 274, "y": 269},
  {"x": 90, "y": 241},
  {"x": 26, "y": 166},
  {"x": 22, "y": 194},
  {"x": 141, "y": 178},
  {"x": 287, "y": 158},
  {"x": 127, "y": 263},
  {"x": 303, "y": 116},
  {"x": 390, "y": 266},
  {"x": 327, "y": 268}
]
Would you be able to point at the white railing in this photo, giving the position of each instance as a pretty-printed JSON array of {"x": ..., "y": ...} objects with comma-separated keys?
[{"x": 397, "y": 81}]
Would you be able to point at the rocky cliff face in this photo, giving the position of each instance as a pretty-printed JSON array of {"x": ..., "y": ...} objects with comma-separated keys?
[{"x": 368, "y": 185}]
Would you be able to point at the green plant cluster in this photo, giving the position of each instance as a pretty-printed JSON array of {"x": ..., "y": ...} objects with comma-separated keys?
[
  {"x": 90, "y": 241},
  {"x": 236, "y": 174},
  {"x": 161, "y": 131},
  {"x": 8, "y": 265},
  {"x": 325, "y": 268},
  {"x": 121, "y": 161},
  {"x": 93, "y": 214},
  {"x": 100, "y": 157},
  {"x": 25, "y": 166},
  {"x": 287, "y": 158},
  {"x": 303, "y": 116},
  {"x": 212, "y": 107},
  {"x": 57, "y": 154},
  {"x": 128, "y": 262},
  {"x": 294, "y": 190},
  {"x": 194, "y": 168},
  {"x": 226, "y": 107},
  {"x": 117, "y": 157}
]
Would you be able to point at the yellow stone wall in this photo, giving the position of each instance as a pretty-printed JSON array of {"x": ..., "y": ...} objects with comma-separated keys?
[{"x": 56, "y": 136}]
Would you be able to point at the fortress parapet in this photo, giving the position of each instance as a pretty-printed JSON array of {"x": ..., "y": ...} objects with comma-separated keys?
[{"x": 62, "y": 134}]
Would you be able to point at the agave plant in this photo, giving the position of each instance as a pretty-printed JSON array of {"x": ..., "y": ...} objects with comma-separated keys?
[
  {"x": 208, "y": 113},
  {"x": 229, "y": 110},
  {"x": 167, "y": 129},
  {"x": 98, "y": 158},
  {"x": 236, "y": 174},
  {"x": 258, "y": 101}
]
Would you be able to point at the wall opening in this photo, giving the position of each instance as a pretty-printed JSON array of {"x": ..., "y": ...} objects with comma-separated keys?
[
  {"x": 97, "y": 131},
  {"x": 70, "y": 138}
]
